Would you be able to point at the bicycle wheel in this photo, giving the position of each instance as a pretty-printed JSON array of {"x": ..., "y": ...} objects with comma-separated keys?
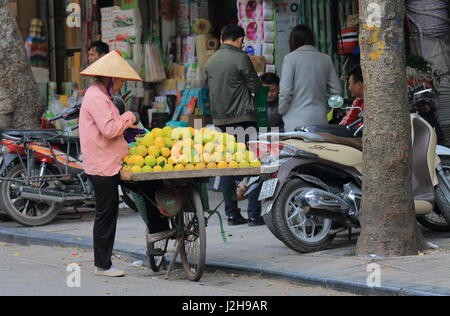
[{"x": 193, "y": 250}]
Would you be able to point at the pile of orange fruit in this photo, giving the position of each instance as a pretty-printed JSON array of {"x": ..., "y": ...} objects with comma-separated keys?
[{"x": 181, "y": 149}]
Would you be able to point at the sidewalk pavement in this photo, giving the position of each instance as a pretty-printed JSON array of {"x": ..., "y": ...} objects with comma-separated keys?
[{"x": 256, "y": 250}]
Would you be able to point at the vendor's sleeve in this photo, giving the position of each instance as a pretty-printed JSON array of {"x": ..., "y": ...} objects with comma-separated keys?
[{"x": 108, "y": 121}]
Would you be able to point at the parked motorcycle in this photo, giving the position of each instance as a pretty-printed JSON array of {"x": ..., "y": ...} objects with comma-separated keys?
[
  {"x": 313, "y": 190},
  {"x": 422, "y": 99},
  {"x": 42, "y": 172}
]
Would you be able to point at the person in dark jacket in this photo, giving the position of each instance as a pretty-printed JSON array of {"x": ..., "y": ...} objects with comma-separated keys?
[
  {"x": 233, "y": 80},
  {"x": 272, "y": 81}
]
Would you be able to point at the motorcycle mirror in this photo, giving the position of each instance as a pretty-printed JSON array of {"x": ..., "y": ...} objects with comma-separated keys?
[{"x": 336, "y": 101}]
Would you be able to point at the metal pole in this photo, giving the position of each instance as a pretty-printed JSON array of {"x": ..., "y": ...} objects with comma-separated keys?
[{"x": 52, "y": 42}]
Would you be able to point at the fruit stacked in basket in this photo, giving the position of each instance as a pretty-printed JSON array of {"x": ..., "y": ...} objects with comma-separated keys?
[{"x": 179, "y": 149}]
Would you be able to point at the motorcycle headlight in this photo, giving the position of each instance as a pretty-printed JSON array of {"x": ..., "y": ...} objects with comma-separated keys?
[{"x": 291, "y": 151}]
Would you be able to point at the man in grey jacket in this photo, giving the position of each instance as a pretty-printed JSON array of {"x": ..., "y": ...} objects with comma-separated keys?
[
  {"x": 233, "y": 80},
  {"x": 308, "y": 79}
]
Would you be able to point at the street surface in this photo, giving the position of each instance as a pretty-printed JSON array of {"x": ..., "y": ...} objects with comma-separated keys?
[{"x": 37, "y": 270}]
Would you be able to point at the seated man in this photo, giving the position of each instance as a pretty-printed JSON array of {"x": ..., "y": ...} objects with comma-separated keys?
[
  {"x": 356, "y": 87},
  {"x": 272, "y": 81}
]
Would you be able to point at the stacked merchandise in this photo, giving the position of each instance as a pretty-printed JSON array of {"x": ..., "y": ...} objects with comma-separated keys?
[
  {"x": 72, "y": 76},
  {"x": 186, "y": 66},
  {"x": 36, "y": 48},
  {"x": 183, "y": 22},
  {"x": 122, "y": 30},
  {"x": 257, "y": 19},
  {"x": 36, "y": 45}
]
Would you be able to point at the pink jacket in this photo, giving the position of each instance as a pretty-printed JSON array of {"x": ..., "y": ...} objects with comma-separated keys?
[{"x": 101, "y": 133}]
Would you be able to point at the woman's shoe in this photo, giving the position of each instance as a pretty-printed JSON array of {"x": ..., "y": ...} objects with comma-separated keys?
[{"x": 112, "y": 272}]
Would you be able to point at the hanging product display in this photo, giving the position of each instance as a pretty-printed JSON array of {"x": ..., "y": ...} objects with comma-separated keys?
[
  {"x": 122, "y": 29},
  {"x": 154, "y": 66},
  {"x": 202, "y": 27},
  {"x": 256, "y": 18},
  {"x": 36, "y": 45}
]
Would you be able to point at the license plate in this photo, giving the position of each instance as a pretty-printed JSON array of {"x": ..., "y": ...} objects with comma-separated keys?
[{"x": 268, "y": 189}]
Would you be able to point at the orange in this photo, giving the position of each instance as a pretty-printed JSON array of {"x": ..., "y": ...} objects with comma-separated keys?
[
  {"x": 138, "y": 161},
  {"x": 141, "y": 150},
  {"x": 172, "y": 161},
  {"x": 150, "y": 161},
  {"x": 200, "y": 166},
  {"x": 153, "y": 151},
  {"x": 136, "y": 169},
  {"x": 255, "y": 164},
  {"x": 190, "y": 167},
  {"x": 222, "y": 165},
  {"x": 244, "y": 164},
  {"x": 147, "y": 169},
  {"x": 158, "y": 169},
  {"x": 160, "y": 142},
  {"x": 211, "y": 165},
  {"x": 165, "y": 152},
  {"x": 161, "y": 161},
  {"x": 157, "y": 132},
  {"x": 179, "y": 167},
  {"x": 168, "y": 168},
  {"x": 233, "y": 165}
]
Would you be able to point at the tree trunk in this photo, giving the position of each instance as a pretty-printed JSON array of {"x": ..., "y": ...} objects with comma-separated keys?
[
  {"x": 387, "y": 214},
  {"x": 21, "y": 104}
]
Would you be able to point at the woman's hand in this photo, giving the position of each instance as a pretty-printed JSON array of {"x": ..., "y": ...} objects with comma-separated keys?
[{"x": 132, "y": 133}]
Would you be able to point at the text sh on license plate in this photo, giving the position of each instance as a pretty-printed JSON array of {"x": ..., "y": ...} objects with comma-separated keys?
[{"x": 268, "y": 189}]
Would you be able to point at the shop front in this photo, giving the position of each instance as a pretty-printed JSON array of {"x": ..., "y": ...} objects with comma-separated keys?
[{"x": 169, "y": 42}]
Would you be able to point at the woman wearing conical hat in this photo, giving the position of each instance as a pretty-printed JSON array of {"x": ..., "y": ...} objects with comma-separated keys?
[{"x": 103, "y": 146}]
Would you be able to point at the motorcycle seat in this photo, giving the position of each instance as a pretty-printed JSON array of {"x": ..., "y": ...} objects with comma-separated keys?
[
  {"x": 337, "y": 130},
  {"x": 351, "y": 142},
  {"x": 33, "y": 134}
]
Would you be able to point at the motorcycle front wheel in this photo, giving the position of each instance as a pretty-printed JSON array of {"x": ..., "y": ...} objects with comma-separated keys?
[
  {"x": 295, "y": 228},
  {"x": 442, "y": 193},
  {"x": 26, "y": 212}
]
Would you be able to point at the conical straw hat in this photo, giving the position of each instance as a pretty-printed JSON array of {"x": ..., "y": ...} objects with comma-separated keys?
[{"x": 112, "y": 65}]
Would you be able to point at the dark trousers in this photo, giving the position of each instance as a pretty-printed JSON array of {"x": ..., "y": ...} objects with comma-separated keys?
[
  {"x": 228, "y": 188},
  {"x": 107, "y": 211},
  {"x": 228, "y": 185}
]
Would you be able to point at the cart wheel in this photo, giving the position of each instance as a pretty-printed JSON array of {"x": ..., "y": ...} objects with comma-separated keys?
[{"x": 193, "y": 251}]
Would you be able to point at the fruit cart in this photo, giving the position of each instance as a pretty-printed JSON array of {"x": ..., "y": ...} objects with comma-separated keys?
[{"x": 190, "y": 223}]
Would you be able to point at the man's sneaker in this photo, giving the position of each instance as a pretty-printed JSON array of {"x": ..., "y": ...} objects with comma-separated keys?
[
  {"x": 253, "y": 222},
  {"x": 237, "y": 221},
  {"x": 112, "y": 273},
  {"x": 152, "y": 238}
]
